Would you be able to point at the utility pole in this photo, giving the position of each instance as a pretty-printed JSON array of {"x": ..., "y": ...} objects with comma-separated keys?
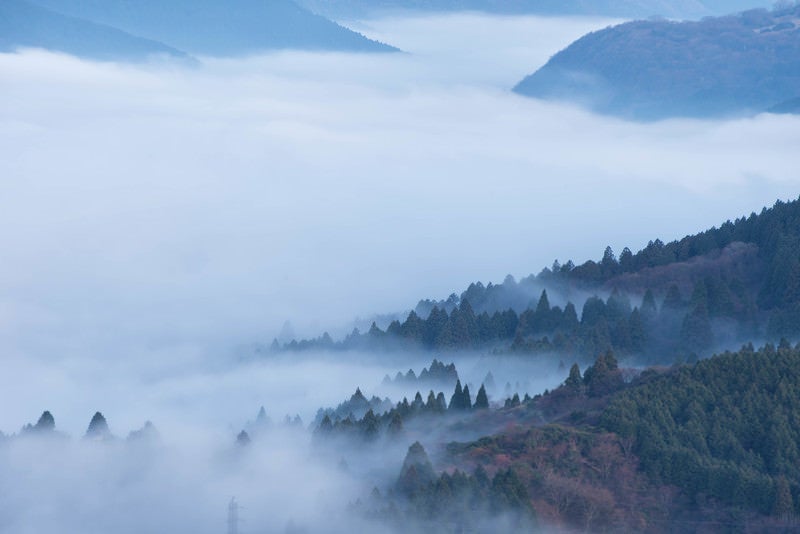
[{"x": 233, "y": 516}]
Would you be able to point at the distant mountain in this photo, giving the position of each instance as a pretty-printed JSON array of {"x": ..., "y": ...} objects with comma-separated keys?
[
  {"x": 25, "y": 25},
  {"x": 216, "y": 28},
  {"x": 615, "y": 8},
  {"x": 729, "y": 65}
]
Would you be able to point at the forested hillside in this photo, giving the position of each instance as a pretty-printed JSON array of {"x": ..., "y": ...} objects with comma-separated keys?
[
  {"x": 728, "y": 428},
  {"x": 694, "y": 447},
  {"x": 669, "y": 301}
]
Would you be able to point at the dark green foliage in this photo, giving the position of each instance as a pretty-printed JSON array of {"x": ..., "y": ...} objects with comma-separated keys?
[
  {"x": 356, "y": 407},
  {"x": 370, "y": 424},
  {"x": 604, "y": 376},
  {"x": 728, "y": 284},
  {"x": 696, "y": 329},
  {"x": 512, "y": 402},
  {"x": 728, "y": 427},
  {"x": 466, "y": 398},
  {"x": 574, "y": 381},
  {"x": 391, "y": 421},
  {"x": 673, "y": 301},
  {"x": 458, "y": 498},
  {"x": 457, "y": 398},
  {"x": 481, "y": 400}
]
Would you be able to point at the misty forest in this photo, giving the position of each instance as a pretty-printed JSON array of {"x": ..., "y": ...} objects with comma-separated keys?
[{"x": 399, "y": 266}]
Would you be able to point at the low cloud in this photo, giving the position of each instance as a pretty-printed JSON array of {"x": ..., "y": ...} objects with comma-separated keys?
[{"x": 211, "y": 204}]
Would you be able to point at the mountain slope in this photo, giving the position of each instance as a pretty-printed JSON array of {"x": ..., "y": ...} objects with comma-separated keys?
[
  {"x": 619, "y": 8},
  {"x": 669, "y": 302},
  {"x": 210, "y": 27},
  {"x": 655, "y": 69},
  {"x": 25, "y": 25}
]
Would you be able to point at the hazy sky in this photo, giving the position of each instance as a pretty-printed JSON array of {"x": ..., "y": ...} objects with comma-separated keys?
[{"x": 164, "y": 210}]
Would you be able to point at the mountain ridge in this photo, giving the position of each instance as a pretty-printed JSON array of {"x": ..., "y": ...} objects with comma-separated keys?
[
  {"x": 25, "y": 24},
  {"x": 622, "y": 8},
  {"x": 207, "y": 27},
  {"x": 650, "y": 70},
  {"x": 678, "y": 301}
]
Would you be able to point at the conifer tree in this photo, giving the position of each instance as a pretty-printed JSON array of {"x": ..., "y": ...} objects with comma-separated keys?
[
  {"x": 574, "y": 380},
  {"x": 456, "y": 400},
  {"x": 481, "y": 400},
  {"x": 395, "y": 425}
]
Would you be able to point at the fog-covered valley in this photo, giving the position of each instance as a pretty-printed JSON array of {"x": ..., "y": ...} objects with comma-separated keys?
[{"x": 162, "y": 223}]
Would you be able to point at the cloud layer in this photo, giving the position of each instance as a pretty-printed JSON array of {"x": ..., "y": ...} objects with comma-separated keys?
[{"x": 150, "y": 209}]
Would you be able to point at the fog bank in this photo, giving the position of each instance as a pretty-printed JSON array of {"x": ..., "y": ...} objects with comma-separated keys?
[{"x": 161, "y": 208}]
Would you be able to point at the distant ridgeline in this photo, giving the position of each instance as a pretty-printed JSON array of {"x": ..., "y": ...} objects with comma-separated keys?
[
  {"x": 27, "y": 25},
  {"x": 612, "y": 8},
  {"x": 381, "y": 418},
  {"x": 437, "y": 374},
  {"x": 667, "y": 302},
  {"x": 98, "y": 430},
  {"x": 354, "y": 408},
  {"x": 733, "y": 65},
  {"x": 126, "y": 29}
]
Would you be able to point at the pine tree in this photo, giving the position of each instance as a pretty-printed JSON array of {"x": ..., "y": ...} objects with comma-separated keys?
[
  {"x": 481, "y": 400},
  {"x": 673, "y": 301},
  {"x": 569, "y": 321},
  {"x": 541, "y": 317},
  {"x": 417, "y": 471},
  {"x": 370, "y": 425},
  {"x": 430, "y": 404},
  {"x": 649, "y": 309},
  {"x": 456, "y": 400},
  {"x": 441, "y": 402},
  {"x": 636, "y": 332},
  {"x": 395, "y": 425},
  {"x": 784, "y": 506},
  {"x": 574, "y": 380}
]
